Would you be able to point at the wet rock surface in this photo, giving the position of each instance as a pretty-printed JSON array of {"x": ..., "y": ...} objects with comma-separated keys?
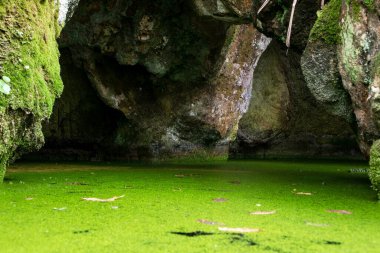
[
  {"x": 358, "y": 67},
  {"x": 181, "y": 76},
  {"x": 285, "y": 120},
  {"x": 29, "y": 70},
  {"x": 320, "y": 68}
]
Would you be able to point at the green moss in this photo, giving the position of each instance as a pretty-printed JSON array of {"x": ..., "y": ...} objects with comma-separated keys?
[
  {"x": 374, "y": 172},
  {"x": 370, "y": 4},
  {"x": 375, "y": 65},
  {"x": 327, "y": 27},
  {"x": 281, "y": 15},
  {"x": 351, "y": 51},
  {"x": 357, "y": 5},
  {"x": 32, "y": 58}
]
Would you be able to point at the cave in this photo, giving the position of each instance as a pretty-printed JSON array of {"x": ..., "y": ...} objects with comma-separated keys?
[{"x": 189, "y": 125}]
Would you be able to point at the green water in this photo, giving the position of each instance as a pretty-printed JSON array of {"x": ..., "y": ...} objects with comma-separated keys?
[{"x": 41, "y": 208}]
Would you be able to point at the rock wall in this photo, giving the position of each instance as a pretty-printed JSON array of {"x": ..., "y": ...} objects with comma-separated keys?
[
  {"x": 360, "y": 70},
  {"x": 179, "y": 79},
  {"x": 357, "y": 63},
  {"x": 344, "y": 47},
  {"x": 296, "y": 113},
  {"x": 285, "y": 121},
  {"x": 29, "y": 70},
  {"x": 179, "y": 71}
]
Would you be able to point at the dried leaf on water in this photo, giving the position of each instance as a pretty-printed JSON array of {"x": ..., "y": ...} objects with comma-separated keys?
[
  {"x": 304, "y": 193},
  {"x": 207, "y": 222},
  {"x": 339, "y": 211},
  {"x": 263, "y": 212},
  {"x": 103, "y": 200},
  {"x": 239, "y": 230},
  {"x": 219, "y": 200},
  {"x": 316, "y": 224}
]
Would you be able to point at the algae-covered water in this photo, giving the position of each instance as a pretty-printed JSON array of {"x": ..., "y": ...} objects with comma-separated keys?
[{"x": 300, "y": 207}]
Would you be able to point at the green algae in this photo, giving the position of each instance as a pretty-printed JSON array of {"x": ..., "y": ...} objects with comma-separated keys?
[{"x": 157, "y": 203}]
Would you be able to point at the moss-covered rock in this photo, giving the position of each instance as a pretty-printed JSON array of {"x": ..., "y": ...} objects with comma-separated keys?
[
  {"x": 374, "y": 171},
  {"x": 320, "y": 63},
  {"x": 285, "y": 120},
  {"x": 29, "y": 58},
  {"x": 327, "y": 27},
  {"x": 357, "y": 55}
]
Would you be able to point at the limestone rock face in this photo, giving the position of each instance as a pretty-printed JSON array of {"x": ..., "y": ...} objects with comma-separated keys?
[
  {"x": 320, "y": 68},
  {"x": 179, "y": 71},
  {"x": 66, "y": 10},
  {"x": 238, "y": 11},
  {"x": 320, "y": 63},
  {"x": 285, "y": 120},
  {"x": 29, "y": 64},
  {"x": 358, "y": 63},
  {"x": 340, "y": 65},
  {"x": 359, "y": 58}
]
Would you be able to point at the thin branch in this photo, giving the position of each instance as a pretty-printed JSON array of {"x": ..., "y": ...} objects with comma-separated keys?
[
  {"x": 289, "y": 34},
  {"x": 263, "y": 6}
]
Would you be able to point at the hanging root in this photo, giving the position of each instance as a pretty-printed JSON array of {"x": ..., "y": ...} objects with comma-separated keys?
[
  {"x": 289, "y": 34},
  {"x": 322, "y": 3},
  {"x": 263, "y": 6}
]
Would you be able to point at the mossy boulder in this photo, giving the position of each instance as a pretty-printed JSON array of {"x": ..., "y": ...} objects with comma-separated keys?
[
  {"x": 29, "y": 59},
  {"x": 320, "y": 63},
  {"x": 374, "y": 171}
]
